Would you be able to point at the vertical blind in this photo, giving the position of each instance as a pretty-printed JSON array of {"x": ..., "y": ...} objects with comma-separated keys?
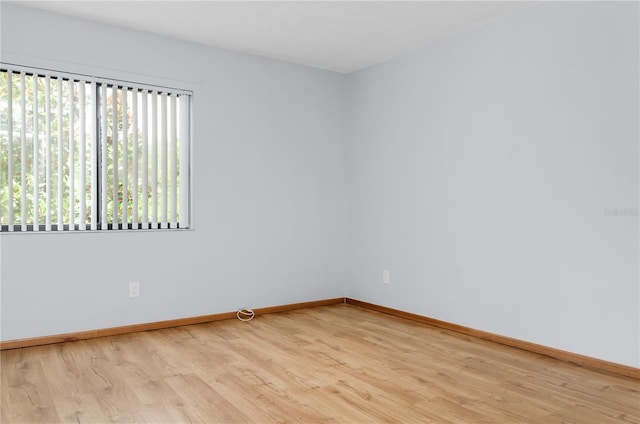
[{"x": 83, "y": 154}]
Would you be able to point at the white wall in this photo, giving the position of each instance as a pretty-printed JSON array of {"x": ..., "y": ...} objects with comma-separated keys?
[
  {"x": 269, "y": 195},
  {"x": 480, "y": 170}
]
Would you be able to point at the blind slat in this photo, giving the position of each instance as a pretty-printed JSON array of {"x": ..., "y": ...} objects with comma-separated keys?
[
  {"x": 82, "y": 220},
  {"x": 36, "y": 158},
  {"x": 134, "y": 170},
  {"x": 60, "y": 186},
  {"x": 154, "y": 160},
  {"x": 103, "y": 162},
  {"x": 70, "y": 153},
  {"x": 114, "y": 156},
  {"x": 47, "y": 112},
  {"x": 184, "y": 161},
  {"x": 94, "y": 157},
  {"x": 23, "y": 153},
  {"x": 145, "y": 161},
  {"x": 173, "y": 183},
  {"x": 163, "y": 161},
  {"x": 10, "y": 150},
  {"x": 125, "y": 157}
]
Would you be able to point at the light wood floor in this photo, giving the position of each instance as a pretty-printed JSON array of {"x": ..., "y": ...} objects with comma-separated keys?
[{"x": 330, "y": 364}]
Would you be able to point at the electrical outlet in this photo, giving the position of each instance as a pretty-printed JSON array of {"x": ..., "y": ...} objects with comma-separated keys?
[
  {"x": 386, "y": 277},
  {"x": 134, "y": 289}
]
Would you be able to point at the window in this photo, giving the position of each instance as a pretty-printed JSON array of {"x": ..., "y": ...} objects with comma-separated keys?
[{"x": 79, "y": 153}]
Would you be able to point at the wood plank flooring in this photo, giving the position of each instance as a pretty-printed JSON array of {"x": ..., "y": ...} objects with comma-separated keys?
[{"x": 333, "y": 364}]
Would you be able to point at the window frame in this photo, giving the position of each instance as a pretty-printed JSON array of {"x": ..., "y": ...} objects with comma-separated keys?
[{"x": 122, "y": 81}]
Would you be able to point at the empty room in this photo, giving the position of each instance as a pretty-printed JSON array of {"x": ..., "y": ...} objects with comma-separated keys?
[{"x": 319, "y": 211}]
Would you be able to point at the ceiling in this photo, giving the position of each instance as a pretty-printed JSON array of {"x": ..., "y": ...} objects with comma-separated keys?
[{"x": 342, "y": 36}]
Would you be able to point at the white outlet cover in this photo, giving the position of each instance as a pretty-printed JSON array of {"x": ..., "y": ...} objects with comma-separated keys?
[{"x": 134, "y": 289}]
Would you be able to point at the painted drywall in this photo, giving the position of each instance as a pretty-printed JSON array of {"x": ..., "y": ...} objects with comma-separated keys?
[
  {"x": 485, "y": 172},
  {"x": 269, "y": 208}
]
